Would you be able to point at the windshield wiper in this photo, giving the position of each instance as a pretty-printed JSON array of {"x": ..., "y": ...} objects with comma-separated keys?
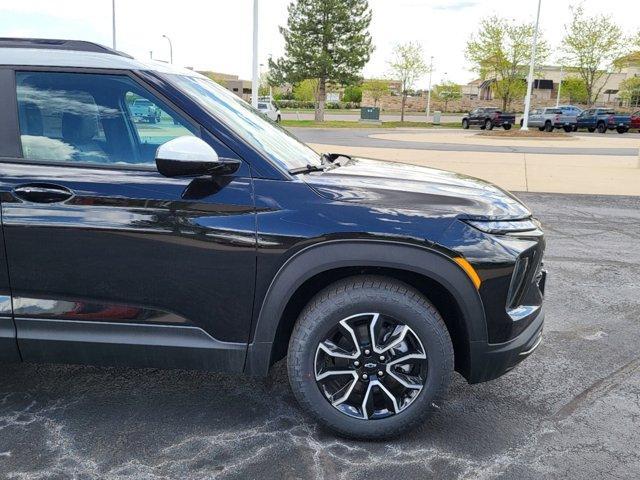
[{"x": 307, "y": 169}]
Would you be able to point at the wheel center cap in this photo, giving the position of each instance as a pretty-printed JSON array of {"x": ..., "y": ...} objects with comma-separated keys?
[{"x": 371, "y": 365}]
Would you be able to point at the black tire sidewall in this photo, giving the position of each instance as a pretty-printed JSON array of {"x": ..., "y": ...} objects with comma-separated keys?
[{"x": 317, "y": 323}]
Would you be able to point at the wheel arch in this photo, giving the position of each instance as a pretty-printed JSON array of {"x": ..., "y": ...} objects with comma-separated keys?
[{"x": 308, "y": 271}]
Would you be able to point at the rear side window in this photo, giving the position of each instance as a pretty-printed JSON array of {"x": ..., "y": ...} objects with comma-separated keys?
[{"x": 92, "y": 118}]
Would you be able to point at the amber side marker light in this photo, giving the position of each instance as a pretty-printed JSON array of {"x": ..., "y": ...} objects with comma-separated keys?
[{"x": 469, "y": 270}]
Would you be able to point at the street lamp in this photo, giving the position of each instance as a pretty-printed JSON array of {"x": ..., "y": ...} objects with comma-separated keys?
[
  {"x": 254, "y": 80},
  {"x": 429, "y": 92},
  {"x": 170, "y": 48},
  {"x": 559, "y": 86},
  {"x": 113, "y": 23},
  {"x": 527, "y": 103}
]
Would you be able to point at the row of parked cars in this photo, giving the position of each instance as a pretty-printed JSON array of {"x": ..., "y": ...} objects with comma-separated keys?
[{"x": 566, "y": 117}]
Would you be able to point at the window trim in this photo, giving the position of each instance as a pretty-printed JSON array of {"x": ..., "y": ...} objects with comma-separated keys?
[{"x": 94, "y": 71}]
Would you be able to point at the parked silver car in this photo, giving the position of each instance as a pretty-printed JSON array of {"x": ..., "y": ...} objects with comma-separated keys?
[
  {"x": 269, "y": 109},
  {"x": 548, "y": 119}
]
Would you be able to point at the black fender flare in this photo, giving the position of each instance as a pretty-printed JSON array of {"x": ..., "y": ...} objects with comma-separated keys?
[{"x": 330, "y": 255}]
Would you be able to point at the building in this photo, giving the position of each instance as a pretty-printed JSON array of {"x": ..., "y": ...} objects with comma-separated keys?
[
  {"x": 240, "y": 87},
  {"x": 545, "y": 88}
]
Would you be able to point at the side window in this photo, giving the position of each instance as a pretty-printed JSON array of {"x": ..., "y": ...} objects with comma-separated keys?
[{"x": 92, "y": 118}]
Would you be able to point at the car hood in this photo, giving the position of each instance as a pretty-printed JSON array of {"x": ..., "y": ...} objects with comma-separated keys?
[{"x": 415, "y": 188}]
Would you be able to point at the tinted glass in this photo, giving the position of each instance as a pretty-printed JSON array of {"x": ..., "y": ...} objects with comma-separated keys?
[
  {"x": 89, "y": 118},
  {"x": 274, "y": 142}
]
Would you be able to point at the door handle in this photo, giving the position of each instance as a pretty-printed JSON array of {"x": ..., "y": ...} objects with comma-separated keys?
[{"x": 42, "y": 193}]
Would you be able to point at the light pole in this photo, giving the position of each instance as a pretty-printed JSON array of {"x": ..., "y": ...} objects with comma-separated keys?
[
  {"x": 170, "y": 48},
  {"x": 559, "y": 86},
  {"x": 429, "y": 92},
  {"x": 254, "y": 81},
  {"x": 527, "y": 102},
  {"x": 113, "y": 23}
]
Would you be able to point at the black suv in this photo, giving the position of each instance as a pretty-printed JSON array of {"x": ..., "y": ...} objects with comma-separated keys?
[{"x": 213, "y": 239}]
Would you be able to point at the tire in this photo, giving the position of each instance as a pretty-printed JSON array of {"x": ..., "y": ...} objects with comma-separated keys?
[
  {"x": 591, "y": 129},
  {"x": 278, "y": 119},
  {"x": 507, "y": 126},
  {"x": 352, "y": 299},
  {"x": 568, "y": 128},
  {"x": 541, "y": 129},
  {"x": 601, "y": 128},
  {"x": 622, "y": 130},
  {"x": 465, "y": 124},
  {"x": 574, "y": 128},
  {"x": 488, "y": 125},
  {"x": 548, "y": 127}
]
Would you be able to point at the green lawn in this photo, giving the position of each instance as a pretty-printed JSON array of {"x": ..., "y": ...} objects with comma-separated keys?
[{"x": 349, "y": 124}]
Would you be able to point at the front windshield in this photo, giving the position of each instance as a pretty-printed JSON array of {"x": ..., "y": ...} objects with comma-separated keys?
[{"x": 277, "y": 144}]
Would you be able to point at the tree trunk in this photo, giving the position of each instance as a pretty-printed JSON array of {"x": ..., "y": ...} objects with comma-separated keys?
[
  {"x": 504, "y": 103},
  {"x": 404, "y": 102},
  {"x": 322, "y": 97}
]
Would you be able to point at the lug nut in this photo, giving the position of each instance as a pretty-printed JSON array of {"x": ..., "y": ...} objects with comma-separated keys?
[
  {"x": 380, "y": 373},
  {"x": 356, "y": 363},
  {"x": 382, "y": 358},
  {"x": 367, "y": 352},
  {"x": 365, "y": 376}
]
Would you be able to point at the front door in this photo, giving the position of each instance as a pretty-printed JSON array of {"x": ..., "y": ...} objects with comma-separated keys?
[{"x": 109, "y": 261}]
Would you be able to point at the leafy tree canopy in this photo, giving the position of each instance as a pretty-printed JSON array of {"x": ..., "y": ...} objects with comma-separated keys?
[{"x": 501, "y": 49}]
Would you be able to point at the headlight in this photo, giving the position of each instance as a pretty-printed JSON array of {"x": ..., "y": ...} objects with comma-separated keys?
[{"x": 504, "y": 226}]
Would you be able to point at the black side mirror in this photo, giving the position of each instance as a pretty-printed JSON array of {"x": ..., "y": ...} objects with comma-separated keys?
[{"x": 190, "y": 156}]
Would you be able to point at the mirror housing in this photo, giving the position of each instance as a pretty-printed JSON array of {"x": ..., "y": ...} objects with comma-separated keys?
[{"x": 190, "y": 156}]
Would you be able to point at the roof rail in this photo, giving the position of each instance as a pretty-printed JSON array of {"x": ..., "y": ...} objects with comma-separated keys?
[{"x": 52, "y": 44}]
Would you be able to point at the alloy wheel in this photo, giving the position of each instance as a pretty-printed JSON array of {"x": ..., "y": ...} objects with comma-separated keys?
[{"x": 370, "y": 366}]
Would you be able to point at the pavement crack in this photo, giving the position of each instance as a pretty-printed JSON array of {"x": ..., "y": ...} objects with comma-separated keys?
[{"x": 597, "y": 390}]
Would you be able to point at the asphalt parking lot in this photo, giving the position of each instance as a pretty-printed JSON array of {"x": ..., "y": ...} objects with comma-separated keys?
[{"x": 572, "y": 410}]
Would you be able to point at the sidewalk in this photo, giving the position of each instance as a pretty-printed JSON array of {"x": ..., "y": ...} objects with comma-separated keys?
[{"x": 586, "y": 174}]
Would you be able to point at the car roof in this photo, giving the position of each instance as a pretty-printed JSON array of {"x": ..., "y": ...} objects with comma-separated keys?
[{"x": 65, "y": 53}]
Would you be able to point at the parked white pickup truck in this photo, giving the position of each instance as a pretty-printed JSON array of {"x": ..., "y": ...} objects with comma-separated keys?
[{"x": 547, "y": 119}]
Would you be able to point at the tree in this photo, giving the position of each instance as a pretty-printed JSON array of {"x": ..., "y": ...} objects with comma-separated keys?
[
  {"x": 501, "y": 50},
  {"x": 327, "y": 40},
  {"x": 447, "y": 91},
  {"x": 352, "y": 94},
  {"x": 630, "y": 91},
  {"x": 574, "y": 90},
  {"x": 592, "y": 45},
  {"x": 306, "y": 91},
  {"x": 377, "y": 89},
  {"x": 407, "y": 65}
]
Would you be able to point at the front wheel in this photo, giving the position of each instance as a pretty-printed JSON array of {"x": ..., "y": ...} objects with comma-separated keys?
[
  {"x": 368, "y": 356},
  {"x": 622, "y": 130},
  {"x": 488, "y": 125},
  {"x": 465, "y": 124},
  {"x": 601, "y": 128},
  {"x": 507, "y": 126},
  {"x": 278, "y": 119},
  {"x": 548, "y": 127}
]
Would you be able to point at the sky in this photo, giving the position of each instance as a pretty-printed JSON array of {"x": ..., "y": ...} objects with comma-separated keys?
[{"x": 217, "y": 35}]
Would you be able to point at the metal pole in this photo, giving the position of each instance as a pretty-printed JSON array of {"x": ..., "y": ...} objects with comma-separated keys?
[
  {"x": 559, "y": 87},
  {"x": 527, "y": 103},
  {"x": 113, "y": 23},
  {"x": 170, "y": 49},
  {"x": 254, "y": 81},
  {"x": 429, "y": 92}
]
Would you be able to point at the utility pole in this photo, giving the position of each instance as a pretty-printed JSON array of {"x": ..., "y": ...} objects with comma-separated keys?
[
  {"x": 254, "y": 81},
  {"x": 559, "y": 86},
  {"x": 170, "y": 48},
  {"x": 113, "y": 23},
  {"x": 527, "y": 102},
  {"x": 429, "y": 92}
]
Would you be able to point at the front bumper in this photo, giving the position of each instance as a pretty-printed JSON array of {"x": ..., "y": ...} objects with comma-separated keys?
[{"x": 492, "y": 360}]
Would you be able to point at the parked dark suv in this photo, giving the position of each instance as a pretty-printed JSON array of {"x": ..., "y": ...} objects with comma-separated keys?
[{"x": 213, "y": 239}]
